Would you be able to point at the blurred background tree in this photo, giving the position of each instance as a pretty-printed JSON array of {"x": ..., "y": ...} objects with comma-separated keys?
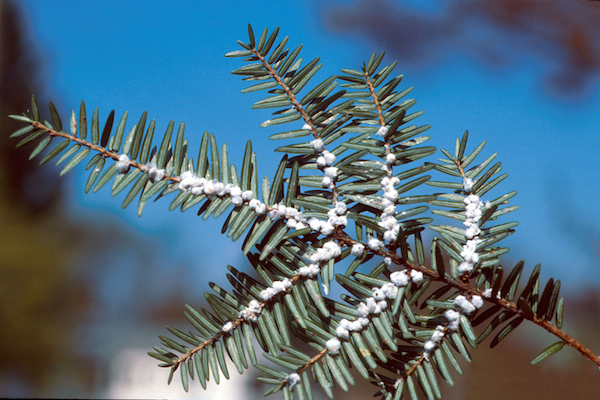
[{"x": 38, "y": 273}]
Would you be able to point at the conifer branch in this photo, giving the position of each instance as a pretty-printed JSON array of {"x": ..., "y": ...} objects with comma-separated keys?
[{"x": 300, "y": 235}]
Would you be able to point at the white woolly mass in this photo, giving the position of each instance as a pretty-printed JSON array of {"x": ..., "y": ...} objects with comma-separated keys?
[
  {"x": 383, "y": 131},
  {"x": 154, "y": 173},
  {"x": 306, "y": 127},
  {"x": 335, "y": 219},
  {"x": 332, "y": 248},
  {"x": 429, "y": 345},
  {"x": 391, "y": 195},
  {"x": 357, "y": 250},
  {"x": 331, "y": 172},
  {"x": 277, "y": 287},
  {"x": 473, "y": 213},
  {"x": 375, "y": 244},
  {"x": 378, "y": 293},
  {"x": 309, "y": 270},
  {"x": 463, "y": 305},
  {"x": 326, "y": 159},
  {"x": 323, "y": 227},
  {"x": 399, "y": 278},
  {"x": 267, "y": 294},
  {"x": 467, "y": 184},
  {"x": 388, "y": 220},
  {"x": 227, "y": 327},
  {"x": 213, "y": 189},
  {"x": 292, "y": 379},
  {"x": 453, "y": 318},
  {"x": 329, "y": 250},
  {"x": 390, "y": 159},
  {"x": 333, "y": 346},
  {"x": 477, "y": 301},
  {"x": 123, "y": 164},
  {"x": 390, "y": 290},
  {"x": 467, "y": 307},
  {"x": 327, "y": 183},
  {"x": 362, "y": 309},
  {"x": 318, "y": 145},
  {"x": 342, "y": 333},
  {"x": 235, "y": 191},
  {"x": 451, "y": 315},
  {"x": 371, "y": 306},
  {"x": 416, "y": 276},
  {"x": 464, "y": 267},
  {"x": 251, "y": 312},
  {"x": 340, "y": 208},
  {"x": 261, "y": 209},
  {"x": 327, "y": 229},
  {"x": 438, "y": 334},
  {"x": 472, "y": 231},
  {"x": 247, "y": 195}
]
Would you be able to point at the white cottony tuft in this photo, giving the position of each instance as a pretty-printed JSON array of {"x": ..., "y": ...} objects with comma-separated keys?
[
  {"x": 228, "y": 326},
  {"x": 333, "y": 346},
  {"x": 309, "y": 270},
  {"x": 154, "y": 173},
  {"x": 251, "y": 312},
  {"x": 464, "y": 305},
  {"x": 429, "y": 345},
  {"x": 292, "y": 379},
  {"x": 123, "y": 164},
  {"x": 331, "y": 172},
  {"x": 477, "y": 301},
  {"x": 453, "y": 318},
  {"x": 399, "y": 278},
  {"x": 358, "y": 249},
  {"x": 416, "y": 276},
  {"x": 375, "y": 244},
  {"x": 438, "y": 334},
  {"x": 467, "y": 184},
  {"x": 383, "y": 131},
  {"x": 318, "y": 145},
  {"x": 342, "y": 331}
]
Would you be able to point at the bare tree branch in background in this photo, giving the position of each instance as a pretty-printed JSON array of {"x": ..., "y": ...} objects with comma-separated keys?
[{"x": 563, "y": 35}]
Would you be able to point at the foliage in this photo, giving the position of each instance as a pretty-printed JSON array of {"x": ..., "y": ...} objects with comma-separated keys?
[{"x": 354, "y": 194}]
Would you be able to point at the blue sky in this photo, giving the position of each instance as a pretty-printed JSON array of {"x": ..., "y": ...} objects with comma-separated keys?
[{"x": 167, "y": 59}]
